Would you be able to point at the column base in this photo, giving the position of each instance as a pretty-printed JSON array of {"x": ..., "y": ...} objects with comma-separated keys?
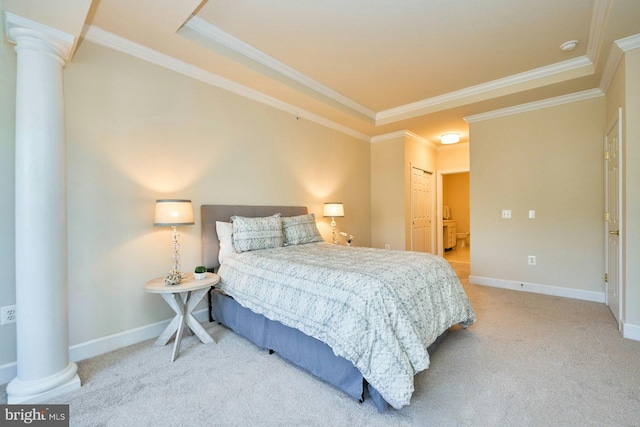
[{"x": 40, "y": 391}]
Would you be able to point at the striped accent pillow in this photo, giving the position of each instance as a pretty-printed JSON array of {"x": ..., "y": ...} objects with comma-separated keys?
[
  {"x": 250, "y": 234},
  {"x": 300, "y": 229}
]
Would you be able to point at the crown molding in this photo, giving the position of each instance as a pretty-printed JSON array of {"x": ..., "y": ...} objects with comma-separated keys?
[
  {"x": 537, "y": 105},
  {"x": 420, "y": 139},
  {"x": 388, "y": 136},
  {"x": 582, "y": 65},
  {"x": 599, "y": 19},
  {"x": 403, "y": 134},
  {"x": 484, "y": 91},
  {"x": 629, "y": 43},
  {"x": 220, "y": 36},
  {"x": 615, "y": 56},
  {"x": 111, "y": 41}
]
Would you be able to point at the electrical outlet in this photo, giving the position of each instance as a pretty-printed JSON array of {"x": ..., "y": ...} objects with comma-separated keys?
[
  {"x": 387, "y": 246},
  {"x": 8, "y": 315},
  {"x": 531, "y": 260}
]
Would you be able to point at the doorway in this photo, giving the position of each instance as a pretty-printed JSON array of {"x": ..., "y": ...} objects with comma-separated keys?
[{"x": 453, "y": 193}]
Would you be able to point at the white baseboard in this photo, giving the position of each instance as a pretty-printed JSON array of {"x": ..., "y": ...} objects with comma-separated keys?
[
  {"x": 631, "y": 331},
  {"x": 106, "y": 344},
  {"x": 8, "y": 372},
  {"x": 539, "y": 289}
]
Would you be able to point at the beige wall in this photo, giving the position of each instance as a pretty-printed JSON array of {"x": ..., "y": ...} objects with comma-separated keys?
[
  {"x": 387, "y": 197},
  {"x": 391, "y": 162},
  {"x": 453, "y": 157},
  {"x": 549, "y": 160},
  {"x": 137, "y": 132}
]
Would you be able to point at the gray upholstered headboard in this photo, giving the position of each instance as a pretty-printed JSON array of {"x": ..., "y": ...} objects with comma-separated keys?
[{"x": 211, "y": 213}]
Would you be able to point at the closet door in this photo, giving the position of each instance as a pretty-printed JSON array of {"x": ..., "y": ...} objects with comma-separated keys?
[
  {"x": 612, "y": 209},
  {"x": 420, "y": 210}
]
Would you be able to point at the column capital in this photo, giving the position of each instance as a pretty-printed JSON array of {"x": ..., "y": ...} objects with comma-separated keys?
[{"x": 27, "y": 34}]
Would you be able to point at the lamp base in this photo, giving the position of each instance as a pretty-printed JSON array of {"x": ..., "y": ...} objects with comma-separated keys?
[{"x": 333, "y": 231}]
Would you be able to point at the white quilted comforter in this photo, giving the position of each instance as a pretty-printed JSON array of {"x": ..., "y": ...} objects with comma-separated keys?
[{"x": 379, "y": 309}]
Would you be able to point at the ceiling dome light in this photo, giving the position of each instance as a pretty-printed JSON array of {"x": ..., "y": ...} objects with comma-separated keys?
[
  {"x": 568, "y": 46},
  {"x": 450, "y": 138}
]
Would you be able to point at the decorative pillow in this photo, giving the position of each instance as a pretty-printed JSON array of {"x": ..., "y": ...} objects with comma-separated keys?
[
  {"x": 225, "y": 237},
  {"x": 300, "y": 229},
  {"x": 250, "y": 234}
]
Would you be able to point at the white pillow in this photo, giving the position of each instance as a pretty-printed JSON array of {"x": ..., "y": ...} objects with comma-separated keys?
[{"x": 225, "y": 237}]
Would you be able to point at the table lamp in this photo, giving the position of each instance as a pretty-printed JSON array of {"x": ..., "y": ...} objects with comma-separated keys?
[
  {"x": 333, "y": 210},
  {"x": 173, "y": 213}
]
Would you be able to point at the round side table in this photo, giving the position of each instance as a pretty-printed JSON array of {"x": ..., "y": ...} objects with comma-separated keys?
[{"x": 182, "y": 298}]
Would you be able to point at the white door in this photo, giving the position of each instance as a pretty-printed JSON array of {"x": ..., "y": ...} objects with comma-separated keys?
[
  {"x": 420, "y": 210},
  {"x": 612, "y": 209}
]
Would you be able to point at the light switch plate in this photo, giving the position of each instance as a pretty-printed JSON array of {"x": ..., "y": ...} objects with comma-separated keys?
[
  {"x": 532, "y": 214},
  {"x": 506, "y": 214}
]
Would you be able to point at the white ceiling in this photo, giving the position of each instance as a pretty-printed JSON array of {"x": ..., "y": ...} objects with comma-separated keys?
[{"x": 377, "y": 66}]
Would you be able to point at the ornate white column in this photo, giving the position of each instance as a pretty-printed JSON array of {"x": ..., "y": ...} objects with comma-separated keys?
[{"x": 44, "y": 370}]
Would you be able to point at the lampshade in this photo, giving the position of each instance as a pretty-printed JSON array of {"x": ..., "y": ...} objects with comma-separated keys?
[
  {"x": 173, "y": 212},
  {"x": 450, "y": 138},
  {"x": 333, "y": 209}
]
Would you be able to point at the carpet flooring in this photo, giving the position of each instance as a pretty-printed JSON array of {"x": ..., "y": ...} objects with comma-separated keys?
[{"x": 530, "y": 360}]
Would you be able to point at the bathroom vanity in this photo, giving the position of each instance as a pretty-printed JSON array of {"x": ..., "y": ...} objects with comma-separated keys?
[{"x": 448, "y": 233}]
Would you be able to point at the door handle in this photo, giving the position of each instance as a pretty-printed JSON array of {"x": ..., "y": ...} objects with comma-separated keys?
[{"x": 616, "y": 232}]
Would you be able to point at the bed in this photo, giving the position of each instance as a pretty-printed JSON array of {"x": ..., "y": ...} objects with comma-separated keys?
[{"x": 362, "y": 319}]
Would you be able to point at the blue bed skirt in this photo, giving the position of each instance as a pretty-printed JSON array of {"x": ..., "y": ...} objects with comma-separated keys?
[{"x": 300, "y": 349}]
